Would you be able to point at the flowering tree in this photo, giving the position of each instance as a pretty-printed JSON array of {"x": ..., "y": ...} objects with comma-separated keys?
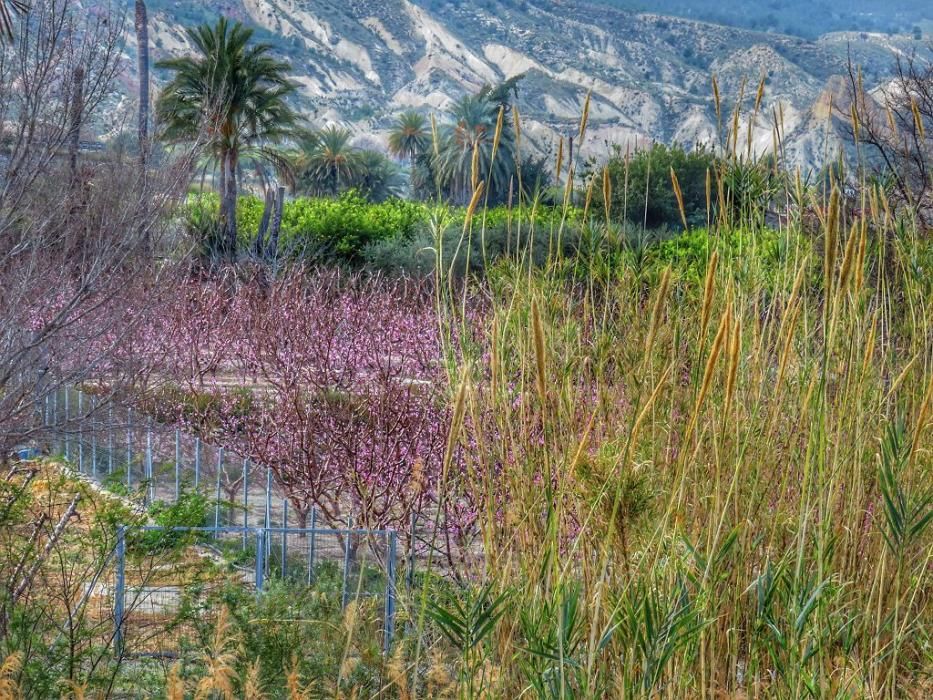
[{"x": 332, "y": 382}]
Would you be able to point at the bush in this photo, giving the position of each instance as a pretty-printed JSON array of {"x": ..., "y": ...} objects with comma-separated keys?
[{"x": 650, "y": 171}]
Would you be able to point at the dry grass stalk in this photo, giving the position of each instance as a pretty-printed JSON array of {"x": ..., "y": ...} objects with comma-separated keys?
[{"x": 9, "y": 669}]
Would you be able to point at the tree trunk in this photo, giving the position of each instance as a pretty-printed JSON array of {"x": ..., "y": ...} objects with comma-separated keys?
[
  {"x": 260, "y": 244},
  {"x": 228, "y": 207},
  {"x": 77, "y": 111},
  {"x": 142, "y": 53},
  {"x": 273, "y": 251}
]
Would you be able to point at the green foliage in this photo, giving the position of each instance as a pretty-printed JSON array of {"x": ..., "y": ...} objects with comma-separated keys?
[
  {"x": 642, "y": 190},
  {"x": 189, "y": 511}
]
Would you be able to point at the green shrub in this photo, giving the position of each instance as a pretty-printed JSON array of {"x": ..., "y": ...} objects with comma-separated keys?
[{"x": 647, "y": 175}]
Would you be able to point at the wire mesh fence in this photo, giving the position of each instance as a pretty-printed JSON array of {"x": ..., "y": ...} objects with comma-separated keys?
[
  {"x": 167, "y": 580},
  {"x": 162, "y": 588}
]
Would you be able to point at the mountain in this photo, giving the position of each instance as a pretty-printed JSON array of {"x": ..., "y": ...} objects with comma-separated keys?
[
  {"x": 806, "y": 18},
  {"x": 360, "y": 62}
]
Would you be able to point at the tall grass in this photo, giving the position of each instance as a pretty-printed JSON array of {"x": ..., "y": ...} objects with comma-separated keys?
[{"x": 704, "y": 485}]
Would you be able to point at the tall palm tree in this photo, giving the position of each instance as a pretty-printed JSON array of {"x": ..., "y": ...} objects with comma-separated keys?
[
  {"x": 230, "y": 98},
  {"x": 329, "y": 162},
  {"x": 142, "y": 55},
  {"x": 408, "y": 139},
  {"x": 7, "y": 9},
  {"x": 474, "y": 130}
]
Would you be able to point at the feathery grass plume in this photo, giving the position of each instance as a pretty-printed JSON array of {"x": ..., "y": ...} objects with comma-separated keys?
[
  {"x": 540, "y": 359},
  {"x": 759, "y": 95},
  {"x": 9, "y": 688},
  {"x": 736, "y": 113},
  {"x": 397, "y": 673},
  {"x": 848, "y": 256},
  {"x": 656, "y": 313},
  {"x": 717, "y": 102},
  {"x": 581, "y": 447},
  {"x": 438, "y": 677},
  {"x": 709, "y": 198},
  {"x": 607, "y": 192},
  {"x": 474, "y": 168},
  {"x": 709, "y": 291},
  {"x": 252, "y": 684},
  {"x": 788, "y": 325},
  {"x": 856, "y": 124},
  {"x": 220, "y": 662},
  {"x": 568, "y": 186},
  {"x": 435, "y": 137},
  {"x": 870, "y": 344},
  {"x": 474, "y": 202},
  {"x": 517, "y": 122},
  {"x": 921, "y": 421},
  {"x": 891, "y": 124},
  {"x": 829, "y": 242},
  {"x": 76, "y": 691},
  {"x": 918, "y": 120},
  {"x": 497, "y": 137},
  {"x": 174, "y": 684},
  {"x": 680, "y": 199},
  {"x": 709, "y": 370},
  {"x": 585, "y": 118},
  {"x": 721, "y": 197},
  {"x": 901, "y": 377},
  {"x": 293, "y": 682}
]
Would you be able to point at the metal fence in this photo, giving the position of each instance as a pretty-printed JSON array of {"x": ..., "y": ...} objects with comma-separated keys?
[
  {"x": 153, "y": 591},
  {"x": 249, "y": 521}
]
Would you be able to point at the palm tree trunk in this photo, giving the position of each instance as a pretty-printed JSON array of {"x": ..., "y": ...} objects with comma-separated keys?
[
  {"x": 260, "y": 243},
  {"x": 273, "y": 251},
  {"x": 142, "y": 53},
  {"x": 228, "y": 208}
]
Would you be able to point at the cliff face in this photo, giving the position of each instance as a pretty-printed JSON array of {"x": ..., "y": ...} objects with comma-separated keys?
[{"x": 359, "y": 62}]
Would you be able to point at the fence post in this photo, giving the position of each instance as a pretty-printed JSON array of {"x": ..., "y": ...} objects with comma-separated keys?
[
  {"x": 220, "y": 466},
  {"x": 197, "y": 463},
  {"x": 120, "y": 592},
  {"x": 260, "y": 551},
  {"x": 245, "y": 500},
  {"x": 149, "y": 477},
  {"x": 268, "y": 517},
  {"x": 110, "y": 437},
  {"x": 411, "y": 552},
  {"x": 390, "y": 591},
  {"x": 65, "y": 423},
  {"x": 177, "y": 464},
  {"x": 93, "y": 439},
  {"x": 346, "y": 565},
  {"x": 311, "y": 546},
  {"x": 80, "y": 432},
  {"x": 129, "y": 449},
  {"x": 55, "y": 412},
  {"x": 284, "y": 537}
]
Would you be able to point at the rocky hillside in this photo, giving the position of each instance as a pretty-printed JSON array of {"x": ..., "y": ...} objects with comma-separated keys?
[{"x": 359, "y": 62}]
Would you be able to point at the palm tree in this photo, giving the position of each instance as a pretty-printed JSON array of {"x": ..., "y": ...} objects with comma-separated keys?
[
  {"x": 230, "y": 99},
  {"x": 7, "y": 9},
  {"x": 377, "y": 178},
  {"x": 329, "y": 163},
  {"x": 409, "y": 138},
  {"x": 473, "y": 130},
  {"x": 142, "y": 54}
]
